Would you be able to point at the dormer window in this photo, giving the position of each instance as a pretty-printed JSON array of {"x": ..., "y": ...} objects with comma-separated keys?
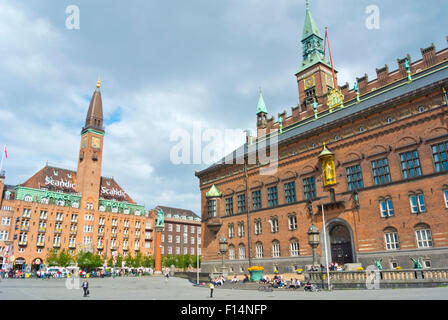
[{"x": 55, "y": 172}]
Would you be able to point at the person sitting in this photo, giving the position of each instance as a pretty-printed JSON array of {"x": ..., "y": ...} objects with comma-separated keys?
[
  {"x": 246, "y": 278},
  {"x": 234, "y": 279},
  {"x": 292, "y": 284},
  {"x": 298, "y": 284},
  {"x": 308, "y": 286}
]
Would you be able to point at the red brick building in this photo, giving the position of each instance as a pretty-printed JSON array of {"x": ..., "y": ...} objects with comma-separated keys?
[
  {"x": 77, "y": 210},
  {"x": 388, "y": 138},
  {"x": 182, "y": 232}
]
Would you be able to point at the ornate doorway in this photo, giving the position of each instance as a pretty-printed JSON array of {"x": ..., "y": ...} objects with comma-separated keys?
[{"x": 341, "y": 245}]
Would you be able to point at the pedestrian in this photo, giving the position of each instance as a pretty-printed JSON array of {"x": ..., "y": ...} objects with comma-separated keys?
[
  {"x": 211, "y": 286},
  {"x": 85, "y": 287},
  {"x": 167, "y": 275}
]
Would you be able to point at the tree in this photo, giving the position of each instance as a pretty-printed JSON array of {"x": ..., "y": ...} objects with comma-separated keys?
[
  {"x": 138, "y": 260},
  {"x": 89, "y": 261},
  {"x": 128, "y": 260},
  {"x": 64, "y": 259},
  {"x": 148, "y": 262},
  {"x": 52, "y": 258}
]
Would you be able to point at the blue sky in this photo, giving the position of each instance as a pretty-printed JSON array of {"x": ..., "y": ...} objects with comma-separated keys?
[{"x": 167, "y": 64}]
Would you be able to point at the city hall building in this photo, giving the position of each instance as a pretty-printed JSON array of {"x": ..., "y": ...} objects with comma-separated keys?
[
  {"x": 367, "y": 166},
  {"x": 58, "y": 208}
]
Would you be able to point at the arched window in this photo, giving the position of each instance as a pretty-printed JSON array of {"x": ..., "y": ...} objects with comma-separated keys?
[
  {"x": 423, "y": 235},
  {"x": 275, "y": 249},
  {"x": 294, "y": 247},
  {"x": 242, "y": 251},
  {"x": 231, "y": 252},
  {"x": 274, "y": 224},
  {"x": 391, "y": 239},
  {"x": 28, "y": 198},
  {"x": 259, "y": 250}
]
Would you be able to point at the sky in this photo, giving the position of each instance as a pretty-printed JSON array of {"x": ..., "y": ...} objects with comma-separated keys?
[{"x": 172, "y": 66}]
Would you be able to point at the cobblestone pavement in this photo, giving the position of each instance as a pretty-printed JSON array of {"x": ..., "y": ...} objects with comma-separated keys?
[{"x": 156, "y": 288}]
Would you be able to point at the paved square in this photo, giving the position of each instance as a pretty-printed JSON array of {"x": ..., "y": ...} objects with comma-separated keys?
[{"x": 155, "y": 288}]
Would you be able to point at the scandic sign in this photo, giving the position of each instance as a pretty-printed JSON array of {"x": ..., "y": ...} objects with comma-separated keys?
[{"x": 68, "y": 184}]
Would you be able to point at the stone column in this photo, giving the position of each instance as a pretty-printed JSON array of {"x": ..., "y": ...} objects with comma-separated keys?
[{"x": 158, "y": 251}]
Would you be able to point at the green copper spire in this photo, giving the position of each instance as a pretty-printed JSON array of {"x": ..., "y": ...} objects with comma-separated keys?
[
  {"x": 261, "y": 107},
  {"x": 312, "y": 43},
  {"x": 310, "y": 26}
]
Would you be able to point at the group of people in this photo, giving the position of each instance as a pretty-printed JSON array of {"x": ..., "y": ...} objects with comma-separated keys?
[
  {"x": 334, "y": 266},
  {"x": 218, "y": 281}
]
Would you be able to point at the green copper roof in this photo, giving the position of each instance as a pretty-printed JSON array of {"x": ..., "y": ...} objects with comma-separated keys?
[
  {"x": 213, "y": 192},
  {"x": 310, "y": 26},
  {"x": 325, "y": 152},
  {"x": 261, "y": 107}
]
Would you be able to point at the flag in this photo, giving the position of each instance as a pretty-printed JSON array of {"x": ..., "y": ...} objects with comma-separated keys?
[{"x": 6, "y": 154}]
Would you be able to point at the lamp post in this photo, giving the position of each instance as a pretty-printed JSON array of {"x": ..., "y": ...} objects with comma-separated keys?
[
  {"x": 223, "y": 247},
  {"x": 313, "y": 240}
]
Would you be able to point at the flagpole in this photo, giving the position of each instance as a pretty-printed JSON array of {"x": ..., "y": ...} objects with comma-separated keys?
[
  {"x": 326, "y": 247},
  {"x": 3, "y": 154}
]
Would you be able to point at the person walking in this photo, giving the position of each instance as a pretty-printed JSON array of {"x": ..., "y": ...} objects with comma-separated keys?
[
  {"x": 85, "y": 288},
  {"x": 211, "y": 286}
]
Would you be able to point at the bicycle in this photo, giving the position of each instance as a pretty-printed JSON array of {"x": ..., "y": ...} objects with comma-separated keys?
[
  {"x": 314, "y": 288},
  {"x": 266, "y": 288}
]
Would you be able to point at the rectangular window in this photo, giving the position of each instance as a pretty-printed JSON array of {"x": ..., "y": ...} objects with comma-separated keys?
[
  {"x": 440, "y": 155},
  {"x": 240, "y": 229},
  {"x": 381, "y": 171},
  {"x": 273, "y": 197},
  {"x": 309, "y": 188},
  {"x": 290, "y": 192},
  {"x": 6, "y": 221},
  {"x": 276, "y": 249},
  {"x": 259, "y": 251},
  {"x": 257, "y": 224},
  {"x": 292, "y": 220},
  {"x": 294, "y": 248},
  {"x": 211, "y": 208},
  {"x": 354, "y": 177},
  {"x": 386, "y": 208},
  {"x": 424, "y": 238},
  {"x": 241, "y": 203},
  {"x": 417, "y": 203},
  {"x": 410, "y": 164},
  {"x": 229, "y": 206},
  {"x": 256, "y": 200},
  {"x": 177, "y": 227},
  {"x": 242, "y": 252},
  {"x": 231, "y": 231},
  {"x": 391, "y": 241}
]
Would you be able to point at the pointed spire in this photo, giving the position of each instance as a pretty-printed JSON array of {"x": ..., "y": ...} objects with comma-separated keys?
[
  {"x": 310, "y": 26},
  {"x": 94, "y": 117},
  {"x": 261, "y": 107}
]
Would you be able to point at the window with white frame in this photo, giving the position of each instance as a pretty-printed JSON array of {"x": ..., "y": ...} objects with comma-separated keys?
[
  {"x": 86, "y": 240},
  {"x": 445, "y": 195},
  {"x": 192, "y": 251},
  {"x": 88, "y": 217},
  {"x": 177, "y": 250},
  {"x": 185, "y": 250},
  {"x": 177, "y": 239},
  {"x": 275, "y": 249},
  {"x": 231, "y": 230},
  {"x": 199, "y": 230},
  {"x": 4, "y": 235},
  {"x": 170, "y": 227},
  {"x": 88, "y": 228},
  {"x": 242, "y": 251},
  {"x": 185, "y": 238},
  {"x": 162, "y": 237},
  {"x": 26, "y": 213},
  {"x": 417, "y": 202},
  {"x": 259, "y": 250},
  {"x": 294, "y": 247},
  {"x": 391, "y": 239},
  {"x": 257, "y": 226},
  {"x": 178, "y": 228},
  {"x": 424, "y": 238},
  {"x": 292, "y": 221},
  {"x": 6, "y": 221},
  {"x": 192, "y": 240},
  {"x": 170, "y": 238},
  {"x": 386, "y": 207},
  {"x": 191, "y": 229},
  {"x": 231, "y": 252},
  {"x": 274, "y": 224},
  {"x": 240, "y": 229}
]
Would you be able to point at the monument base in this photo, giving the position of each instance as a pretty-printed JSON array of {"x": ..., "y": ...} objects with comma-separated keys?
[{"x": 157, "y": 274}]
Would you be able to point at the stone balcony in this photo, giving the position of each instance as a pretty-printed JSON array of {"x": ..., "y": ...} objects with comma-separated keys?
[{"x": 214, "y": 224}]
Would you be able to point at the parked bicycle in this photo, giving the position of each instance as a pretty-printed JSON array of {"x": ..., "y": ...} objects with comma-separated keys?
[{"x": 266, "y": 288}]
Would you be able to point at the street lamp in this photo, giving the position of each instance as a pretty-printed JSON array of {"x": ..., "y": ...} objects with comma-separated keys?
[
  {"x": 313, "y": 240},
  {"x": 223, "y": 247},
  {"x": 356, "y": 199}
]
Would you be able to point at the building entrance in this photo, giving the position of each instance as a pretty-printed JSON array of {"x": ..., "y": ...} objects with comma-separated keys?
[{"x": 341, "y": 245}]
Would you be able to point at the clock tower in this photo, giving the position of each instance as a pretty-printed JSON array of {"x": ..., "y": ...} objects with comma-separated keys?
[
  {"x": 88, "y": 177},
  {"x": 314, "y": 76}
]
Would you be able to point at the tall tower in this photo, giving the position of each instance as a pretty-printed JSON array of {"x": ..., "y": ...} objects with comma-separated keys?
[
  {"x": 262, "y": 114},
  {"x": 88, "y": 177},
  {"x": 314, "y": 76}
]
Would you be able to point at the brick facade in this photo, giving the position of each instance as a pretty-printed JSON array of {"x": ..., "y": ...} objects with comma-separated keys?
[{"x": 395, "y": 117}]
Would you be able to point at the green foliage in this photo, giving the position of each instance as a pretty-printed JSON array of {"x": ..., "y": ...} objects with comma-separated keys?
[
  {"x": 128, "y": 260},
  {"x": 63, "y": 259},
  {"x": 180, "y": 261},
  {"x": 89, "y": 261},
  {"x": 148, "y": 262}
]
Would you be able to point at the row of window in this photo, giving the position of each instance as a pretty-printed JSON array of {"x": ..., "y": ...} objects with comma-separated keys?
[
  {"x": 410, "y": 167},
  {"x": 178, "y": 227},
  {"x": 178, "y": 238},
  {"x": 177, "y": 250}
]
